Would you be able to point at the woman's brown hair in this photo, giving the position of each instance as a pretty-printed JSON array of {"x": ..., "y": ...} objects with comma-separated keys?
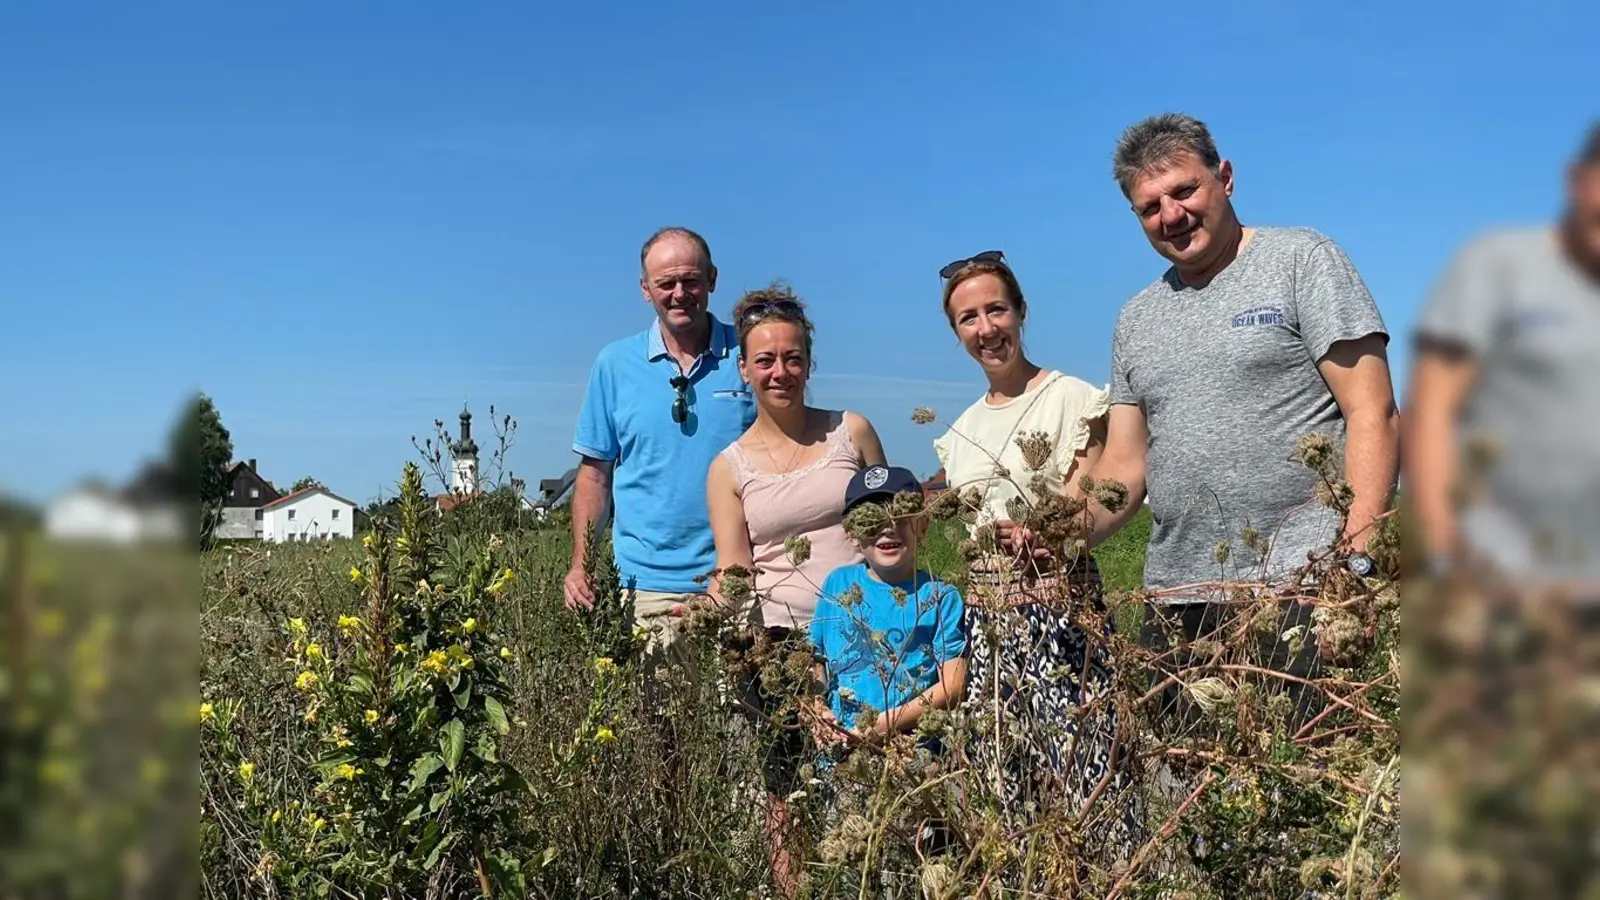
[
  {"x": 972, "y": 269},
  {"x": 776, "y": 302}
]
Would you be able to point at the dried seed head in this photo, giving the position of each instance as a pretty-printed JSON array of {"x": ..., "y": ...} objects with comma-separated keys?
[
  {"x": 865, "y": 521},
  {"x": 1036, "y": 447},
  {"x": 907, "y": 503},
  {"x": 1112, "y": 495},
  {"x": 798, "y": 548},
  {"x": 922, "y": 415}
]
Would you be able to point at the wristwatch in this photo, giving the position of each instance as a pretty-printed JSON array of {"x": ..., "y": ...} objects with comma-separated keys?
[{"x": 1360, "y": 564}]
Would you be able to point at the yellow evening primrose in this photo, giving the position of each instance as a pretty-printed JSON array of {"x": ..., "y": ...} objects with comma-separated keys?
[
  {"x": 247, "y": 771},
  {"x": 313, "y": 651},
  {"x": 207, "y": 712},
  {"x": 436, "y": 663},
  {"x": 347, "y": 772},
  {"x": 399, "y": 648},
  {"x": 277, "y": 814},
  {"x": 306, "y": 681},
  {"x": 297, "y": 626},
  {"x": 349, "y": 624},
  {"x": 604, "y": 735},
  {"x": 366, "y": 541},
  {"x": 470, "y": 625},
  {"x": 604, "y": 665},
  {"x": 370, "y": 716},
  {"x": 355, "y": 574},
  {"x": 505, "y": 652}
]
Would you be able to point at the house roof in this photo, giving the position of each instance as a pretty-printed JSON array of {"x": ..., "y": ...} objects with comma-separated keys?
[{"x": 291, "y": 498}]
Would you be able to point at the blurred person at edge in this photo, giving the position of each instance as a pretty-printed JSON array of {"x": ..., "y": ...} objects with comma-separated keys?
[
  {"x": 660, "y": 405},
  {"x": 1505, "y": 354}
]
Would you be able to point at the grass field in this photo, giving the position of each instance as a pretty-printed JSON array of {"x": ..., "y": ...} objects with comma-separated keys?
[{"x": 418, "y": 715}]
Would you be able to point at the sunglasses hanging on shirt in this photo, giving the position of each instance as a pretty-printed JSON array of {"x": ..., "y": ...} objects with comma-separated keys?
[{"x": 680, "y": 406}]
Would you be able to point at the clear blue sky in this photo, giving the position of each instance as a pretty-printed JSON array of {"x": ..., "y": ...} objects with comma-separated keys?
[{"x": 341, "y": 219}]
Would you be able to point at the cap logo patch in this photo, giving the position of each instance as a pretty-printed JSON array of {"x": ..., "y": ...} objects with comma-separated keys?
[{"x": 875, "y": 478}]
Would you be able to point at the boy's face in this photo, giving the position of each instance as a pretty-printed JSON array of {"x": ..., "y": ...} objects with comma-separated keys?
[{"x": 894, "y": 548}]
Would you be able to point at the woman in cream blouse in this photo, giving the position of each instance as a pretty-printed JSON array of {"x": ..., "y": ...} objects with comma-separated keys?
[{"x": 1027, "y": 653}]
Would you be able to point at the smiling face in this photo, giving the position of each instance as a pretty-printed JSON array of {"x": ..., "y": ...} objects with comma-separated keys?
[
  {"x": 892, "y": 553},
  {"x": 678, "y": 283},
  {"x": 775, "y": 364},
  {"x": 987, "y": 322},
  {"x": 1186, "y": 211}
]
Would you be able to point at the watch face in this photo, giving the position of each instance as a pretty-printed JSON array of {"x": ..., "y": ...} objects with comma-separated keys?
[{"x": 1361, "y": 564}]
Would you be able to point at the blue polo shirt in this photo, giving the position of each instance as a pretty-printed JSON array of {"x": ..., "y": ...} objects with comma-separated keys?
[{"x": 660, "y": 528}]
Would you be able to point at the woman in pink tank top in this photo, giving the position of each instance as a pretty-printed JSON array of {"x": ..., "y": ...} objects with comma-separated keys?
[{"x": 784, "y": 478}]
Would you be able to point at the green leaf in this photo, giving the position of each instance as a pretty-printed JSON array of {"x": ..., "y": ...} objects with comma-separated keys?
[
  {"x": 496, "y": 714},
  {"x": 439, "y": 799},
  {"x": 453, "y": 740},
  {"x": 438, "y": 852},
  {"x": 484, "y": 749},
  {"x": 360, "y": 685},
  {"x": 422, "y": 768},
  {"x": 463, "y": 694}
]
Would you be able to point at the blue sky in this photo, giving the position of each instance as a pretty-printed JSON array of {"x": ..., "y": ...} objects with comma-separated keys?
[{"x": 342, "y": 219}]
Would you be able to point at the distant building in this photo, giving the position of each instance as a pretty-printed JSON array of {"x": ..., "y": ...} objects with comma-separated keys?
[
  {"x": 313, "y": 514},
  {"x": 554, "y": 493},
  {"x": 143, "y": 510},
  {"x": 936, "y": 484},
  {"x": 248, "y": 495}
]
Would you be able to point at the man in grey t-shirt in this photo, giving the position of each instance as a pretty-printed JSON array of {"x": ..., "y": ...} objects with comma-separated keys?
[
  {"x": 1506, "y": 350},
  {"x": 1253, "y": 339}
]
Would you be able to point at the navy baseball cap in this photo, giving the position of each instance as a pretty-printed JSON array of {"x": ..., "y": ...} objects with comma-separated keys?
[{"x": 874, "y": 482}]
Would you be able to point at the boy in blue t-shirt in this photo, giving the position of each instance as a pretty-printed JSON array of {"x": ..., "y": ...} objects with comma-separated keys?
[{"x": 889, "y": 634}]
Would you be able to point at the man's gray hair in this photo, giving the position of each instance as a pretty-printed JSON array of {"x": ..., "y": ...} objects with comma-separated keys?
[
  {"x": 676, "y": 231},
  {"x": 1155, "y": 141}
]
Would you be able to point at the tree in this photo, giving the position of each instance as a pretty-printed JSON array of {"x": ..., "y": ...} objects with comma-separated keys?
[
  {"x": 307, "y": 482},
  {"x": 200, "y": 449}
]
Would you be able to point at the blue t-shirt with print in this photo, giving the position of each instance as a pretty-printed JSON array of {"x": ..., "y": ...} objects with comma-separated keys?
[
  {"x": 880, "y": 652},
  {"x": 661, "y": 531}
]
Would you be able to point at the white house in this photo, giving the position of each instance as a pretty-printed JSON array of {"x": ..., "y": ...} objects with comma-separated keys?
[
  {"x": 313, "y": 514},
  {"x": 95, "y": 511}
]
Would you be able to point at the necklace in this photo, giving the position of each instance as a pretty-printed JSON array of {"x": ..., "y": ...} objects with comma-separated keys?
[{"x": 798, "y": 446}]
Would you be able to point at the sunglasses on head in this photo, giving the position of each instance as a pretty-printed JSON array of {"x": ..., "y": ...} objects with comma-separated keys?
[
  {"x": 988, "y": 256},
  {"x": 680, "y": 406},
  {"x": 755, "y": 312}
]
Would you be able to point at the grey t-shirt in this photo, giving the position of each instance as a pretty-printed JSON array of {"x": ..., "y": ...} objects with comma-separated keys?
[
  {"x": 1532, "y": 320},
  {"x": 1227, "y": 376}
]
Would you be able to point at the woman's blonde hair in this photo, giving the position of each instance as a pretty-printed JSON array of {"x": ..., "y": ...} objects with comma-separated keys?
[{"x": 976, "y": 267}]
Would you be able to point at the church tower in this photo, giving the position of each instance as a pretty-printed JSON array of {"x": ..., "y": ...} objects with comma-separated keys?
[{"x": 464, "y": 459}]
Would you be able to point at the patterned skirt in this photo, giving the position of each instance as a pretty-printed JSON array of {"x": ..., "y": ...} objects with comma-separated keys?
[{"x": 1032, "y": 670}]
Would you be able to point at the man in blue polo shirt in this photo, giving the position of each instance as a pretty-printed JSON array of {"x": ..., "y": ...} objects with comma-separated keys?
[{"x": 661, "y": 404}]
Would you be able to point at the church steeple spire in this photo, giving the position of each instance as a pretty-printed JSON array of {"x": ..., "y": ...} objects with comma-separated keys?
[{"x": 464, "y": 453}]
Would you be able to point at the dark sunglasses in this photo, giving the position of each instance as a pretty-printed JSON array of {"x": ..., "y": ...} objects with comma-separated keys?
[
  {"x": 680, "y": 406},
  {"x": 755, "y": 312},
  {"x": 988, "y": 256}
]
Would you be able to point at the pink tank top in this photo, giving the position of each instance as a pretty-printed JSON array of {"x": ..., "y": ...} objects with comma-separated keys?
[{"x": 807, "y": 503}]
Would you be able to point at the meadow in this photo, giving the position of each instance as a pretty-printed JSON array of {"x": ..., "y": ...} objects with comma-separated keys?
[{"x": 416, "y": 714}]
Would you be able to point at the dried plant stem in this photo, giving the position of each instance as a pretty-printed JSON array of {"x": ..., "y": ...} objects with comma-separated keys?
[{"x": 1165, "y": 832}]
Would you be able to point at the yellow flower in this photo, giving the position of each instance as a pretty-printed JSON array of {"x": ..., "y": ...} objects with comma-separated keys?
[
  {"x": 318, "y": 823},
  {"x": 306, "y": 681},
  {"x": 297, "y": 626},
  {"x": 371, "y": 716},
  {"x": 355, "y": 574},
  {"x": 349, "y": 624},
  {"x": 470, "y": 625},
  {"x": 640, "y": 634},
  {"x": 247, "y": 771},
  {"x": 207, "y": 712},
  {"x": 435, "y": 662},
  {"x": 501, "y": 582},
  {"x": 505, "y": 652},
  {"x": 399, "y": 648},
  {"x": 277, "y": 814},
  {"x": 311, "y": 713},
  {"x": 313, "y": 651},
  {"x": 347, "y": 772},
  {"x": 366, "y": 540},
  {"x": 604, "y": 665},
  {"x": 604, "y": 735}
]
